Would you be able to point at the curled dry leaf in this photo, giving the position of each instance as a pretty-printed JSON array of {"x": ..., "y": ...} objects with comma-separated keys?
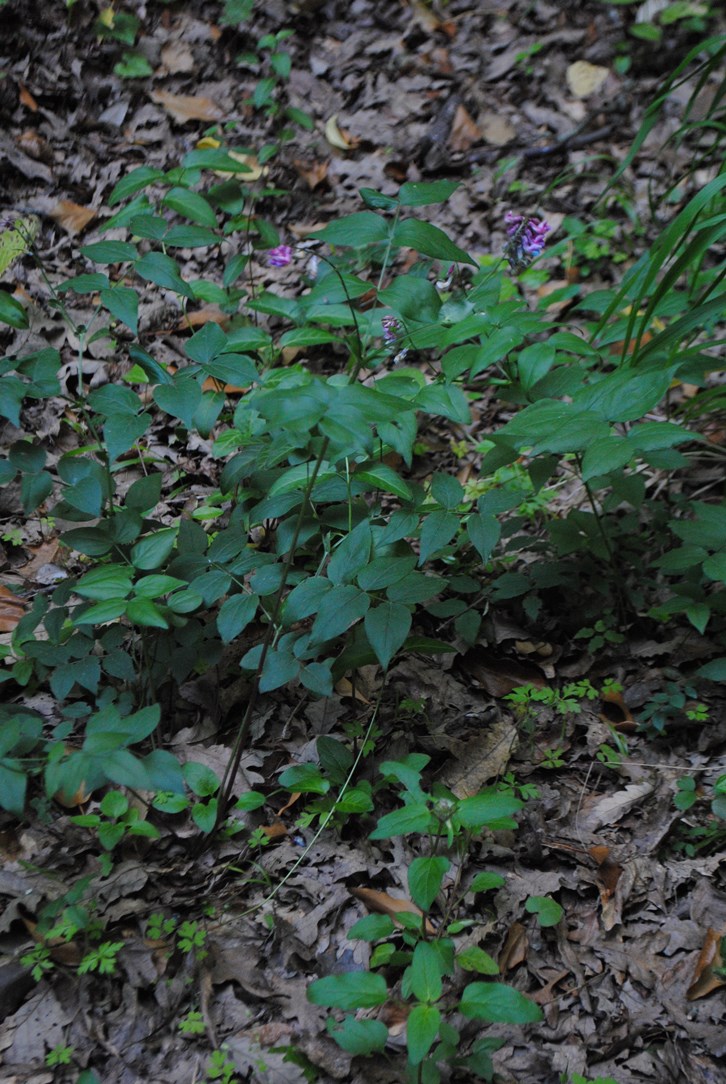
[
  {"x": 616, "y": 713},
  {"x": 705, "y": 981},
  {"x": 514, "y": 949},
  {"x": 12, "y": 609},
  {"x": 499, "y": 676},
  {"x": 71, "y": 216},
  {"x": 337, "y": 137},
  {"x": 186, "y": 107},
  {"x": 383, "y": 904}
]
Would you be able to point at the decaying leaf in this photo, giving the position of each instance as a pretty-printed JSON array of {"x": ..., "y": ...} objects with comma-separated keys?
[
  {"x": 705, "y": 981},
  {"x": 616, "y": 713},
  {"x": 500, "y": 675},
  {"x": 585, "y": 79},
  {"x": 383, "y": 904},
  {"x": 514, "y": 949},
  {"x": 337, "y": 137},
  {"x": 612, "y": 807},
  {"x": 186, "y": 107},
  {"x": 12, "y": 609},
  {"x": 464, "y": 131},
  {"x": 489, "y": 759},
  {"x": 71, "y": 216},
  {"x": 313, "y": 173}
]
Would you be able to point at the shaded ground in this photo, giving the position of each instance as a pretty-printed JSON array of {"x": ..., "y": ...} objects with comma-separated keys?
[{"x": 397, "y": 92}]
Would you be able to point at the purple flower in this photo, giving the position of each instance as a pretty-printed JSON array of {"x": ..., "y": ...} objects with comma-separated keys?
[
  {"x": 391, "y": 330},
  {"x": 526, "y": 239},
  {"x": 280, "y": 256}
]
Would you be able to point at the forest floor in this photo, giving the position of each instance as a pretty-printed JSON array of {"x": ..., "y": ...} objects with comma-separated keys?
[{"x": 484, "y": 93}]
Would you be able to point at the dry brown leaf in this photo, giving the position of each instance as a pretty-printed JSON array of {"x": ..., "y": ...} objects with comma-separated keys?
[
  {"x": 337, "y": 137},
  {"x": 489, "y": 759},
  {"x": 33, "y": 144},
  {"x": 514, "y": 949},
  {"x": 313, "y": 173},
  {"x": 12, "y": 609},
  {"x": 585, "y": 79},
  {"x": 704, "y": 980},
  {"x": 177, "y": 57},
  {"x": 464, "y": 131},
  {"x": 71, "y": 216},
  {"x": 27, "y": 99},
  {"x": 210, "y": 313},
  {"x": 616, "y": 713},
  {"x": 496, "y": 129},
  {"x": 612, "y": 807},
  {"x": 274, "y": 831},
  {"x": 383, "y": 904},
  {"x": 186, "y": 107},
  {"x": 499, "y": 675}
]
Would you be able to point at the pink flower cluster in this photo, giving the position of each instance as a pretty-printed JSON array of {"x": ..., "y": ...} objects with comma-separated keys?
[
  {"x": 280, "y": 256},
  {"x": 526, "y": 239}
]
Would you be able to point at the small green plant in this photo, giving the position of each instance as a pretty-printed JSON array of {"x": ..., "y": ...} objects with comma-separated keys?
[
  {"x": 220, "y": 1068},
  {"x": 39, "y": 962},
  {"x": 666, "y": 707},
  {"x": 189, "y": 936},
  {"x": 192, "y": 1023},
  {"x": 59, "y": 1055},
  {"x": 426, "y": 957},
  {"x": 102, "y": 959}
]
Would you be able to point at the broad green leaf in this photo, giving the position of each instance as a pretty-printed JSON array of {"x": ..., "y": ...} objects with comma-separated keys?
[
  {"x": 371, "y": 928},
  {"x": 486, "y": 881},
  {"x": 352, "y": 990},
  {"x": 341, "y": 607},
  {"x": 305, "y": 599},
  {"x": 715, "y": 670},
  {"x": 387, "y": 626},
  {"x": 12, "y": 312},
  {"x": 351, "y": 554},
  {"x": 476, "y": 959},
  {"x": 483, "y": 531},
  {"x": 422, "y": 1027},
  {"x": 448, "y": 400},
  {"x": 547, "y": 910},
  {"x": 489, "y": 808},
  {"x": 192, "y": 206},
  {"x": 235, "y": 614},
  {"x": 411, "y": 818},
  {"x": 498, "y": 1004},
  {"x": 385, "y": 478},
  {"x": 134, "y": 182},
  {"x": 92, "y": 541},
  {"x": 355, "y": 231},
  {"x": 384, "y": 571},
  {"x": 422, "y": 193},
  {"x": 305, "y": 778},
  {"x": 180, "y": 399},
  {"x": 437, "y": 530},
  {"x": 335, "y": 758},
  {"x": 110, "y": 252},
  {"x": 155, "y": 586},
  {"x": 13, "y": 784},
  {"x": 142, "y": 611},
  {"x": 425, "y": 876},
  {"x": 108, "y": 610},
  {"x": 153, "y": 550},
  {"x": 109, "y": 581},
  {"x": 447, "y": 491},
  {"x": 123, "y": 303},
  {"x": 359, "y": 1037},
  {"x": 426, "y": 972},
  {"x": 163, "y": 271},
  {"x": 430, "y": 241}
]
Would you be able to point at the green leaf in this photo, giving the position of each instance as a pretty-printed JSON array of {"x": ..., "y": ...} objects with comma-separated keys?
[
  {"x": 235, "y": 614},
  {"x": 483, "y": 532},
  {"x": 13, "y": 784},
  {"x": 163, "y": 271},
  {"x": 355, "y": 231},
  {"x": 490, "y": 808},
  {"x": 384, "y": 571},
  {"x": 121, "y": 432},
  {"x": 353, "y": 990},
  {"x": 426, "y": 972},
  {"x": 411, "y": 818},
  {"x": 153, "y": 550},
  {"x": 715, "y": 670},
  {"x": 108, "y": 610},
  {"x": 305, "y": 778},
  {"x": 155, "y": 586},
  {"x": 425, "y": 876},
  {"x": 385, "y": 478},
  {"x": 359, "y": 1037},
  {"x": 192, "y": 206},
  {"x": 304, "y": 600},
  {"x": 429, "y": 240},
  {"x": 12, "y": 312},
  {"x": 133, "y": 182},
  {"x": 547, "y": 910},
  {"x": 142, "y": 611},
  {"x": 484, "y": 882},
  {"x": 476, "y": 959},
  {"x": 341, "y": 607},
  {"x": 387, "y": 626},
  {"x": 447, "y": 491},
  {"x": 110, "y": 252},
  {"x": 336, "y": 759},
  {"x": 422, "y": 1027},
  {"x": 351, "y": 554},
  {"x": 110, "y": 581},
  {"x": 437, "y": 530},
  {"x": 422, "y": 193},
  {"x": 123, "y": 303},
  {"x": 498, "y": 1004},
  {"x": 371, "y": 928},
  {"x": 91, "y": 541},
  {"x": 447, "y": 400},
  {"x": 180, "y": 399}
]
